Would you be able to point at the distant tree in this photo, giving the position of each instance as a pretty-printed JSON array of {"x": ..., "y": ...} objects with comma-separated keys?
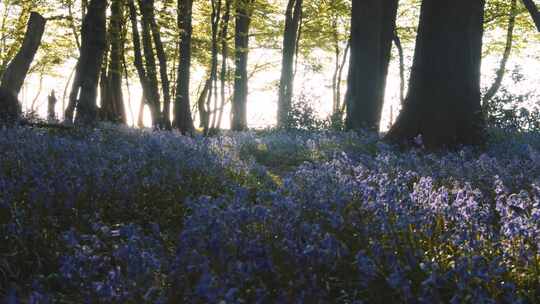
[
  {"x": 293, "y": 16},
  {"x": 443, "y": 102},
  {"x": 51, "y": 103},
  {"x": 372, "y": 32},
  {"x": 496, "y": 85},
  {"x": 244, "y": 11},
  {"x": 93, "y": 43},
  {"x": 182, "y": 109}
]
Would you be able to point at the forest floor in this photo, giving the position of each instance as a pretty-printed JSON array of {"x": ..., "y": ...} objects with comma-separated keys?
[{"x": 121, "y": 215}]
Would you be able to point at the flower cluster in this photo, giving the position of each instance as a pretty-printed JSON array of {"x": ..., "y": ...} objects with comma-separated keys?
[{"x": 272, "y": 217}]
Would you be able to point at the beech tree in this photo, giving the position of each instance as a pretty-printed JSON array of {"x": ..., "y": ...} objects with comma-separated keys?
[
  {"x": 93, "y": 43},
  {"x": 182, "y": 109},
  {"x": 241, "y": 45},
  {"x": 112, "y": 100},
  {"x": 443, "y": 102},
  {"x": 372, "y": 32},
  {"x": 293, "y": 15}
]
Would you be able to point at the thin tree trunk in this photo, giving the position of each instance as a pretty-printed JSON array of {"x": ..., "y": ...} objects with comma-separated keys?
[
  {"x": 51, "y": 103},
  {"x": 138, "y": 60},
  {"x": 162, "y": 59},
  {"x": 397, "y": 42},
  {"x": 15, "y": 73},
  {"x": 443, "y": 102},
  {"x": 201, "y": 103},
  {"x": 292, "y": 23},
  {"x": 182, "y": 108},
  {"x": 494, "y": 88},
  {"x": 337, "y": 57},
  {"x": 93, "y": 43},
  {"x": 153, "y": 97},
  {"x": 533, "y": 10},
  {"x": 372, "y": 31},
  {"x": 241, "y": 45},
  {"x": 212, "y": 94},
  {"x": 224, "y": 58},
  {"x": 340, "y": 77},
  {"x": 126, "y": 78}
]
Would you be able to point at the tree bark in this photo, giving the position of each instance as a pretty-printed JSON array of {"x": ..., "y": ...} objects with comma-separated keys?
[
  {"x": 494, "y": 88},
  {"x": 113, "y": 109},
  {"x": 93, "y": 44},
  {"x": 162, "y": 59},
  {"x": 13, "y": 77},
  {"x": 241, "y": 45},
  {"x": 372, "y": 31},
  {"x": 292, "y": 24},
  {"x": 153, "y": 97},
  {"x": 533, "y": 10},
  {"x": 138, "y": 60},
  {"x": 443, "y": 102},
  {"x": 224, "y": 58},
  {"x": 397, "y": 42},
  {"x": 182, "y": 109},
  {"x": 212, "y": 93}
]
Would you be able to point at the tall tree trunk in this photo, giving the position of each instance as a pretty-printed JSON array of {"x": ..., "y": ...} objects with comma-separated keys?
[
  {"x": 93, "y": 43},
  {"x": 212, "y": 93},
  {"x": 138, "y": 60},
  {"x": 113, "y": 100},
  {"x": 162, "y": 59},
  {"x": 13, "y": 77},
  {"x": 241, "y": 45},
  {"x": 182, "y": 109},
  {"x": 533, "y": 10},
  {"x": 224, "y": 58},
  {"x": 153, "y": 97},
  {"x": 337, "y": 57},
  {"x": 372, "y": 30},
  {"x": 292, "y": 24},
  {"x": 443, "y": 103},
  {"x": 340, "y": 77},
  {"x": 494, "y": 88}
]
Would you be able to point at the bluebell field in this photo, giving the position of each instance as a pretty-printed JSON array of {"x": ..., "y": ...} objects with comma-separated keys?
[{"x": 125, "y": 216}]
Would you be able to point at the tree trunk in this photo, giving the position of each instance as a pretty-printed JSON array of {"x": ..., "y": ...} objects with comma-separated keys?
[
  {"x": 93, "y": 43},
  {"x": 153, "y": 97},
  {"x": 533, "y": 10},
  {"x": 372, "y": 30},
  {"x": 113, "y": 100},
  {"x": 212, "y": 93},
  {"x": 201, "y": 104},
  {"x": 397, "y": 42},
  {"x": 224, "y": 58},
  {"x": 162, "y": 59},
  {"x": 241, "y": 45},
  {"x": 138, "y": 60},
  {"x": 51, "y": 103},
  {"x": 182, "y": 108},
  {"x": 494, "y": 88},
  {"x": 443, "y": 103},
  {"x": 292, "y": 24},
  {"x": 340, "y": 77},
  {"x": 13, "y": 77}
]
